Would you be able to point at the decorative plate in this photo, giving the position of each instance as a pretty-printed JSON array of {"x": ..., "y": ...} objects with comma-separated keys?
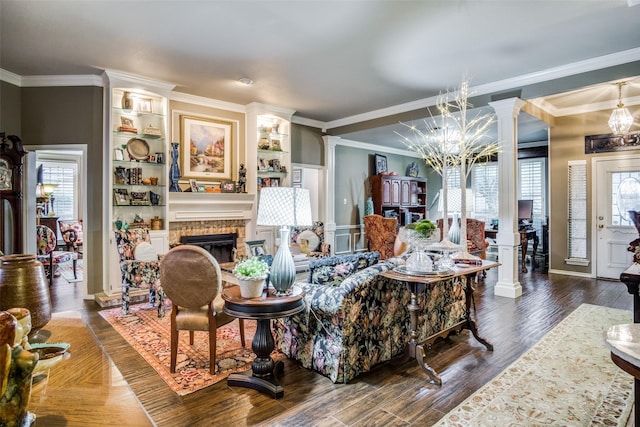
[
  {"x": 138, "y": 149},
  {"x": 311, "y": 241},
  {"x": 402, "y": 269}
]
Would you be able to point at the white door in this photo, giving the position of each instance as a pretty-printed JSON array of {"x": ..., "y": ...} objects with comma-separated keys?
[{"x": 617, "y": 186}]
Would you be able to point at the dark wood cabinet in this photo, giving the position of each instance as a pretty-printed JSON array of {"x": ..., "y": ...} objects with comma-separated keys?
[{"x": 395, "y": 196}]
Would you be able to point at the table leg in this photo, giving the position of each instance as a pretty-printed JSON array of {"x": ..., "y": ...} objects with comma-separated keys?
[
  {"x": 264, "y": 369},
  {"x": 524, "y": 244},
  {"x": 471, "y": 324}
]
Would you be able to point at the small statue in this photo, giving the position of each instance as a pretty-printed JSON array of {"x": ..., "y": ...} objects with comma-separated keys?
[{"x": 242, "y": 179}]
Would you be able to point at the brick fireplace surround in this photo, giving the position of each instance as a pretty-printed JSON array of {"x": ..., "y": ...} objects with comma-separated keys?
[{"x": 179, "y": 229}]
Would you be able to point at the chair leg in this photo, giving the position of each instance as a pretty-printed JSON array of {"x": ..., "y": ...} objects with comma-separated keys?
[
  {"x": 51, "y": 269},
  {"x": 174, "y": 344},
  {"x": 212, "y": 347},
  {"x": 75, "y": 266},
  {"x": 191, "y": 333},
  {"x": 241, "y": 324}
]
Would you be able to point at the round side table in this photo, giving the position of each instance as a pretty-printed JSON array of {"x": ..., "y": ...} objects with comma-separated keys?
[{"x": 264, "y": 369}]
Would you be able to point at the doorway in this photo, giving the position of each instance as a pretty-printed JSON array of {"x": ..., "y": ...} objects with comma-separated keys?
[
  {"x": 613, "y": 229},
  {"x": 75, "y": 155}
]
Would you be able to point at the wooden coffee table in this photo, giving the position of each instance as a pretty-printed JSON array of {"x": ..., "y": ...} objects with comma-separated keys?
[{"x": 264, "y": 370}]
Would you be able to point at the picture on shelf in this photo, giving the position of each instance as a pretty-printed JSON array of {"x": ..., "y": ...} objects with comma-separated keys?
[
  {"x": 121, "y": 197},
  {"x": 381, "y": 163},
  {"x": 194, "y": 185},
  {"x": 296, "y": 176},
  {"x": 144, "y": 105},
  {"x": 118, "y": 154},
  {"x": 275, "y": 145},
  {"x": 256, "y": 248},
  {"x": 228, "y": 187},
  {"x": 205, "y": 148},
  {"x": 262, "y": 164},
  {"x": 274, "y": 165}
]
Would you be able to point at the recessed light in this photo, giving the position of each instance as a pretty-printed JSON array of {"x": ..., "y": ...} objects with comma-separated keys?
[{"x": 245, "y": 81}]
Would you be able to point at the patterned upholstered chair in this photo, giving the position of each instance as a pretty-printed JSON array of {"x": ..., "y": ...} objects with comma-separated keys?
[
  {"x": 140, "y": 267},
  {"x": 381, "y": 233},
  {"x": 476, "y": 244},
  {"x": 71, "y": 231},
  {"x": 46, "y": 243}
]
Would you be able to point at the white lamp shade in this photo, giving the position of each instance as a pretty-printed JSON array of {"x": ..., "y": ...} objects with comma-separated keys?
[{"x": 284, "y": 206}]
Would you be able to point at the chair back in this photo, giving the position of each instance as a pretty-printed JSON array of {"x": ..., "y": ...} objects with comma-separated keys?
[
  {"x": 381, "y": 233},
  {"x": 46, "y": 240},
  {"x": 475, "y": 234},
  {"x": 71, "y": 231},
  {"x": 190, "y": 276},
  {"x": 126, "y": 241}
]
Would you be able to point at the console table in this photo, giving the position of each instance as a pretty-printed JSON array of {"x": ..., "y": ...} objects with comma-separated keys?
[
  {"x": 526, "y": 234},
  {"x": 417, "y": 284}
]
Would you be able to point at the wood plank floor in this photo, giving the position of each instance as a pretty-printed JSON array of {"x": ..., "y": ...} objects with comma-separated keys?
[{"x": 393, "y": 394}]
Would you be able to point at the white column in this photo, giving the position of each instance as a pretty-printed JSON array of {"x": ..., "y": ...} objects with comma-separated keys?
[
  {"x": 508, "y": 238},
  {"x": 330, "y": 143}
]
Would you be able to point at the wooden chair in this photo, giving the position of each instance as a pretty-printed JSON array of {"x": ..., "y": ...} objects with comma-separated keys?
[
  {"x": 381, "y": 233},
  {"x": 191, "y": 278},
  {"x": 46, "y": 242}
]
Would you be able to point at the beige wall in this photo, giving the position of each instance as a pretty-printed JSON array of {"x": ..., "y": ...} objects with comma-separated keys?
[{"x": 567, "y": 142}]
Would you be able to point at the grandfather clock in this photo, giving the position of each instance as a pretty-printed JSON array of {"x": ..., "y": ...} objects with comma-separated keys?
[{"x": 11, "y": 197}]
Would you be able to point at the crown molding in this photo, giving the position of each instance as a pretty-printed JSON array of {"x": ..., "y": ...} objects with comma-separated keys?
[
  {"x": 207, "y": 102},
  {"x": 374, "y": 147},
  {"x": 9, "y": 77},
  {"x": 309, "y": 122},
  {"x": 45, "y": 81},
  {"x": 587, "y": 65},
  {"x": 586, "y": 108}
]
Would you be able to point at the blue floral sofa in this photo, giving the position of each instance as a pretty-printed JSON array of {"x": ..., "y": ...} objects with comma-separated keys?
[{"x": 356, "y": 319}]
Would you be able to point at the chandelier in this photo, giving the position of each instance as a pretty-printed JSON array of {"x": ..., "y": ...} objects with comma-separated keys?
[{"x": 621, "y": 119}]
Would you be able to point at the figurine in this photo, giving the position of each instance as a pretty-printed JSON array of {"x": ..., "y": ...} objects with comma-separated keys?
[{"x": 242, "y": 179}]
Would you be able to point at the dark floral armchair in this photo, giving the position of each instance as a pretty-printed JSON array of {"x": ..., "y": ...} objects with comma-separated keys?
[{"x": 138, "y": 273}]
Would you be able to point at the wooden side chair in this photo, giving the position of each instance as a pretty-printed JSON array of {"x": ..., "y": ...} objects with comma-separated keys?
[{"x": 191, "y": 278}]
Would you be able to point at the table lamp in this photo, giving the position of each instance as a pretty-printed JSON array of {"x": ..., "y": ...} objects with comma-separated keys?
[{"x": 284, "y": 207}]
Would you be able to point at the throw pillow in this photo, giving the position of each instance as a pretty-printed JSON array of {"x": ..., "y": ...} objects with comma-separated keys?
[
  {"x": 145, "y": 252},
  {"x": 332, "y": 274}
]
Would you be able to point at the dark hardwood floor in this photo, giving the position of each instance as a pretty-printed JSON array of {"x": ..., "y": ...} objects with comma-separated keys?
[{"x": 393, "y": 393}]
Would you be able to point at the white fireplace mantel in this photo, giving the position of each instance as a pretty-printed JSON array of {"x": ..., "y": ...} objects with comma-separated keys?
[{"x": 189, "y": 206}]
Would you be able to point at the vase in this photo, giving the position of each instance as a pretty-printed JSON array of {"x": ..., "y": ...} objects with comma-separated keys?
[
  {"x": 23, "y": 283},
  {"x": 454, "y": 230},
  {"x": 174, "y": 172},
  {"x": 251, "y": 288},
  {"x": 127, "y": 101},
  {"x": 368, "y": 206}
]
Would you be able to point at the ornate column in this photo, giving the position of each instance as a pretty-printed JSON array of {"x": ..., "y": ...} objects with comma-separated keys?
[
  {"x": 508, "y": 238},
  {"x": 330, "y": 143}
]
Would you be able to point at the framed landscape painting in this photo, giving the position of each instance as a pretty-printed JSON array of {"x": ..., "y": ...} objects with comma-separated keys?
[{"x": 205, "y": 148}]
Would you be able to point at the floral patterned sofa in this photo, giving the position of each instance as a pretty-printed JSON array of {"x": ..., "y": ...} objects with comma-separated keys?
[{"x": 356, "y": 319}]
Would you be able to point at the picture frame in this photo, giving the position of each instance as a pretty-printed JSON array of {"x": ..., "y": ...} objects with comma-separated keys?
[
  {"x": 276, "y": 145},
  {"x": 255, "y": 248},
  {"x": 121, "y": 197},
  {"x": 263, "y": 165},
  {"x": 228, "y": 187},
  {"x": 118, "y": 154},
  {"x": 205, "y": 148},
  {"x": 274, "y": 182},
  {"x": 296, "y": 176},
  {"x": 193, "y": 184},
  {"x": 380, "y": 163},
  {"x": 275, "y": 165},
  {"x": 145, "y": 105}
]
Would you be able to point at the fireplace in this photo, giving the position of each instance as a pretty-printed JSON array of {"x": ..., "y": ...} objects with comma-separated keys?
[{"x": 219, "y": 245}]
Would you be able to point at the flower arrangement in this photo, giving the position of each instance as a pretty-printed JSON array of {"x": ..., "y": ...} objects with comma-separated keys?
[
  {"x": 423, "y": 227},
  {"x": 254, "y": 268}
]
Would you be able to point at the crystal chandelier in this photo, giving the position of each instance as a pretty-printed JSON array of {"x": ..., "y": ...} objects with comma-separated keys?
[{"x": 621, "y": 119}]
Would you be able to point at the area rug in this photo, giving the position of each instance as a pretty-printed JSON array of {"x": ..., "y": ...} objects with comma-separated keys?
[
  {"x": 566, "y": 379},
  {"x": 150, "y": 336},
  {"x": 66, "y": 270}
]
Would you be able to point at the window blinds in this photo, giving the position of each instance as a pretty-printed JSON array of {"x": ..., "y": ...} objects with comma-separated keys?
[{"x": 577, "y": 210}]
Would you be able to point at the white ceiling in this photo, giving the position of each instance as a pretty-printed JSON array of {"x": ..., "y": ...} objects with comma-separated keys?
[{"x": 331, "y": 61}]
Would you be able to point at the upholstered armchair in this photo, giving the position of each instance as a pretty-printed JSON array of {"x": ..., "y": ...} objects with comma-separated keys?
[
  {"x": 139, "y": 266},
  {"x": 71, "y": 231},
  {"x": 381, "y": 233},
  {"x": 476, "y": 244},
  {"x": 46, "y": 243}
]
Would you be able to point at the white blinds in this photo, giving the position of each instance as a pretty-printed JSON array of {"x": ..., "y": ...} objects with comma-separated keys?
[
  {"x": 484, "y": 182},
  {"x": 531, "y": 176},
  {"x": 65, "y": 176}
]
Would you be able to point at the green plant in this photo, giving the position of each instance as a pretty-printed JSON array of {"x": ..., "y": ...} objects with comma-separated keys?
[
  {"x": 252, "y": 268},
  {"x": 423, "y": 227}
]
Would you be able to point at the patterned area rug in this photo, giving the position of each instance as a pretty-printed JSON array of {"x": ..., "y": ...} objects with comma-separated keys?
[
  {"x": 150, "y": 336},
  {"x": 66, "y": 270},
  {"x": 566, "y": 379}
]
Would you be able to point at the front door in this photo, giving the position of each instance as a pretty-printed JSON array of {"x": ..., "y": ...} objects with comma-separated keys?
[{"x": 615, "y": 179}]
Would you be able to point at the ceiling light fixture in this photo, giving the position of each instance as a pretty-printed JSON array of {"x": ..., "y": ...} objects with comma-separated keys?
[
  {"x": 245, "y": 81},
  {"x": 621, "y": 119}
]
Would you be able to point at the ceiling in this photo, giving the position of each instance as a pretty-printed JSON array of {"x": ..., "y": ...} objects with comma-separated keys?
[{"x": 333, "y": 62}]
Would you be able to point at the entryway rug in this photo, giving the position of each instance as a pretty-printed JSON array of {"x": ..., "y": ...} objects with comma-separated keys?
[
  {"x": 150, "y": 336},
  {"x": 566, "y": 379},
  {"x": 66, "y": 270}
]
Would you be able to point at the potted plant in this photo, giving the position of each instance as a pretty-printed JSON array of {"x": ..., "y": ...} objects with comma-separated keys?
[{"x": 251, "y": 274}]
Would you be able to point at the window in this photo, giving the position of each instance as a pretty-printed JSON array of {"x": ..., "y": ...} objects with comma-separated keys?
[
  {"x": 532, "y": 186},
  {"x": 62, "y": 170},
  {"x": 577, "y": 210},
  {"x": 484, "y": 182}
]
